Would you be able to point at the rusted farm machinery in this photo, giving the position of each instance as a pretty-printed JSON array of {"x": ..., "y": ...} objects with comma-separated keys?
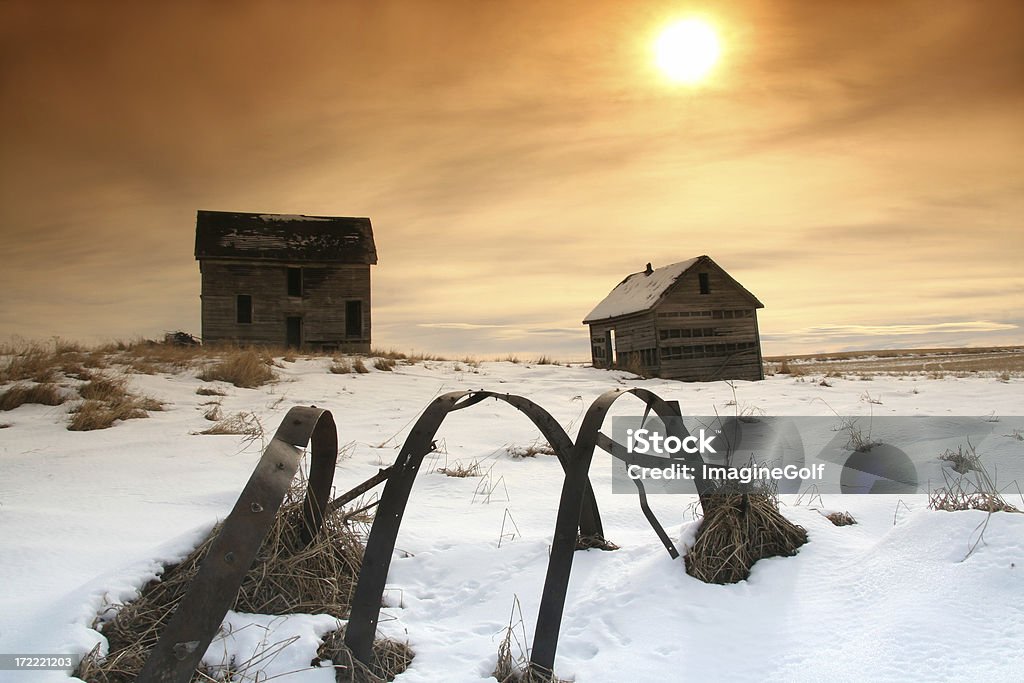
[{"x": 201, "y": 611}]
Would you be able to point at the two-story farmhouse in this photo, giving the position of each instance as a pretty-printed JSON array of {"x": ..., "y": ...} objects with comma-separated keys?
[
  {"x": 689, "y": 320},
  {"x": 299, "y": 281}
]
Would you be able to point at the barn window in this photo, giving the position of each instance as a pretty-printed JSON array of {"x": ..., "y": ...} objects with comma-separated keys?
[
  {"x": 705, "y": 285},
  {"x": 353, "y": 318},
  {"x": 295, "y": 282},
  {"x": 243, "y": 309}
]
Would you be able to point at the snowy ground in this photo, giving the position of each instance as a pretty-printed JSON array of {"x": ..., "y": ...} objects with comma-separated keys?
[{"x": 88, "y": 517}]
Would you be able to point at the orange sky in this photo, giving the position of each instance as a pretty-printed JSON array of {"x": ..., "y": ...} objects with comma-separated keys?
[{"x": 856, "y": 165}]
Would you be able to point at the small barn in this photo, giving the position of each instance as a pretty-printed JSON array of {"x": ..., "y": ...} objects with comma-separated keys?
[
  {"x": 689, "y": 321},
  {"x": 288, "y": 280}
]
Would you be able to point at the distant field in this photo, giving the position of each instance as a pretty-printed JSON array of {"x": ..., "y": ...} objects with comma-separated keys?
[{"x": 996, "y": 360}]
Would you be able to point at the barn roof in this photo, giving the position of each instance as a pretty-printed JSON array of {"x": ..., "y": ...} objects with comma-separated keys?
[
  {"x": 642, "y": 291},
  {"x": 284, "y": 237}
]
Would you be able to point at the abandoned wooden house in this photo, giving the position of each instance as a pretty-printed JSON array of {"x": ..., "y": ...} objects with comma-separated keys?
[
  {"x": 689, "y": 321},
  {"x": 298, "y": 281}
]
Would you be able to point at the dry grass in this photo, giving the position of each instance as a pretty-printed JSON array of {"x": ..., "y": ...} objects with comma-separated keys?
[
  {"x": 971, "y": 489},
  {"x": 1003, "y": 363},
  {"x": 530, "y": 451},
  {"x": 385, "y": 364},
  {"x": 286, "y": 578},
  {"x": 461, "y": 470},
  {"x": 107, "y": 400},
  {"x": 245, "y": 368},
  {"x": 511, "y": 668},
  {"x": 46, "y": 394},
  {"x": 244, "y": 424},
  {"x": 390, "y": 658},
  {"x": 341, "y": 366},
  {"x": 210, "y": 391},
  {"x": 961, "y": 460},
  {"x": 841, "y": 518},
  {"x": 360, "y": 367},
  {"x": 214, "y": 413},
  {"x": 741, "y": 526}
]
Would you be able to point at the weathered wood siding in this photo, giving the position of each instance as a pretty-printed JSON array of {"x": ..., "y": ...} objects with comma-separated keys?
[
  {"x": 688, "y": 335},
  {"x": 704, "y": 337},
  {"x": 326, "y": 288}
]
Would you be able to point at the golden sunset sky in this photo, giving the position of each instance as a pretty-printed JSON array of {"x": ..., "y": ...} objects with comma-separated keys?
[{"x": 859, "y": 166}]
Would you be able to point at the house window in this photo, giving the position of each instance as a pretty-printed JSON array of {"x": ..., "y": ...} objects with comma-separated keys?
[
  {"x": 705, "y": 285},
  {"x": 353, "y": 318},
  {"x": 295, "y": 282},
  {"x": 243, "y": 309}
]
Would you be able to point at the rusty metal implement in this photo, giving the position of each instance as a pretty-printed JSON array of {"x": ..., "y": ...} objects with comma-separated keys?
[{"x": 213, "y": 591}]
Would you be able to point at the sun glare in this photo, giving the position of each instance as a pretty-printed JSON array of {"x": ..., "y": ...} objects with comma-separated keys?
[{"x": 687, "y": 50}]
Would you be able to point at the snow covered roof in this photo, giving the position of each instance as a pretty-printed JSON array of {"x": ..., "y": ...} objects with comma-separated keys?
[
  {"x": 639, "y": 291},
  {"x": 284, "y": 237}
]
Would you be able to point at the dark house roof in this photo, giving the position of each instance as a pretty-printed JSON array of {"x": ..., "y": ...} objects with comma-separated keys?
[
  {"x": 643, "y": 291},
  {"x": 284, "y": 237}
]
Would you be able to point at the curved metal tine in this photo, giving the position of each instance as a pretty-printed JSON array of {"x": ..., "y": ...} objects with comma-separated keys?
[
  {"x": 380, "y": 545},
  {"x": 556, "y": 581},
  {"x": 620, "y": 452},
  {"x": 213, "y": 590}
]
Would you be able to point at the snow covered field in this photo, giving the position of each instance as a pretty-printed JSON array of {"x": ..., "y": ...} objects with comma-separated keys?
[{"x": 86, "y": 518}]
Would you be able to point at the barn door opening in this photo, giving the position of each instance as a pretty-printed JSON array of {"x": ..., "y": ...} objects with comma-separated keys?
[
  {"x": 293, "y": 331},
  {"x": 609, "y": 345}
]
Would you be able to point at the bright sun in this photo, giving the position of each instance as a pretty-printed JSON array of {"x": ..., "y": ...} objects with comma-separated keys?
[{"x": 686, "y": 50}]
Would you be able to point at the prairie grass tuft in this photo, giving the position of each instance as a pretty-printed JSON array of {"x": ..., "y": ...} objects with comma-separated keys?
[
  {"x": 245, "y": 368},
  {"x": 46, "y": 394},
  {"x": 385, "y": 364}
]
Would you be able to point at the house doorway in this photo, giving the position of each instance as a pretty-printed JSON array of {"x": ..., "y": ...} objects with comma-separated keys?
[{"x": 293, "y": 332}]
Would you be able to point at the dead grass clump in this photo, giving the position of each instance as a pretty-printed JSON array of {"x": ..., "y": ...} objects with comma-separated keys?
[
  {"x": 962, "y": 461},
  {"x": 969, "y": 492},
  {"x": 530, "y": 451},
  {"x": 460, "y": 470},
  {"x": 34, "y": 362},
  {"x": 510, "y": 668},
  {"x": 46, "y": 394},
  {"x": 740, "y": 527},
  {"x": 245, "y": 424},
  {"x": 385, "y": 364},
  {"x": 107, "y": 400},
  {"x": 341, "y": 366},
  {"x": 213, "y": 413},
  {"x": 360, "y": 367},
  {"x": 287, "y": 577},
  {"x": 390, "y": 658},
  {"x": 389, "y": 353},
  {"x": 841, "y": 518},
  {"x": 209, "y": 391},
  {"x": 93, "y": 414},
  {"x": 245, "y": 368}
]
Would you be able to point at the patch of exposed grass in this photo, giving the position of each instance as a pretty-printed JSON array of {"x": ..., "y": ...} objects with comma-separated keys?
[
  {"x": 360, "y": 367},
  {"x": 245, "y": 424},
  {"x": 245, "y": 368},
  {"x": 214, "y": 413},
  {"x": 34, "y": 362},
  {"x": 390, "y": 658},
  {"x": 841, "y": 518},
  {"x": 107, "y": 400},
  {"x": 461, "y": 470},
  {"x": 46, "y": 394},
  {"x": 961, "y": 460},
  {"x": 976, "y": 491},
  {"x": 385, "y": 364},
  {"x": 210, "y": 391},
  {"x": 341, "y": 366}
]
